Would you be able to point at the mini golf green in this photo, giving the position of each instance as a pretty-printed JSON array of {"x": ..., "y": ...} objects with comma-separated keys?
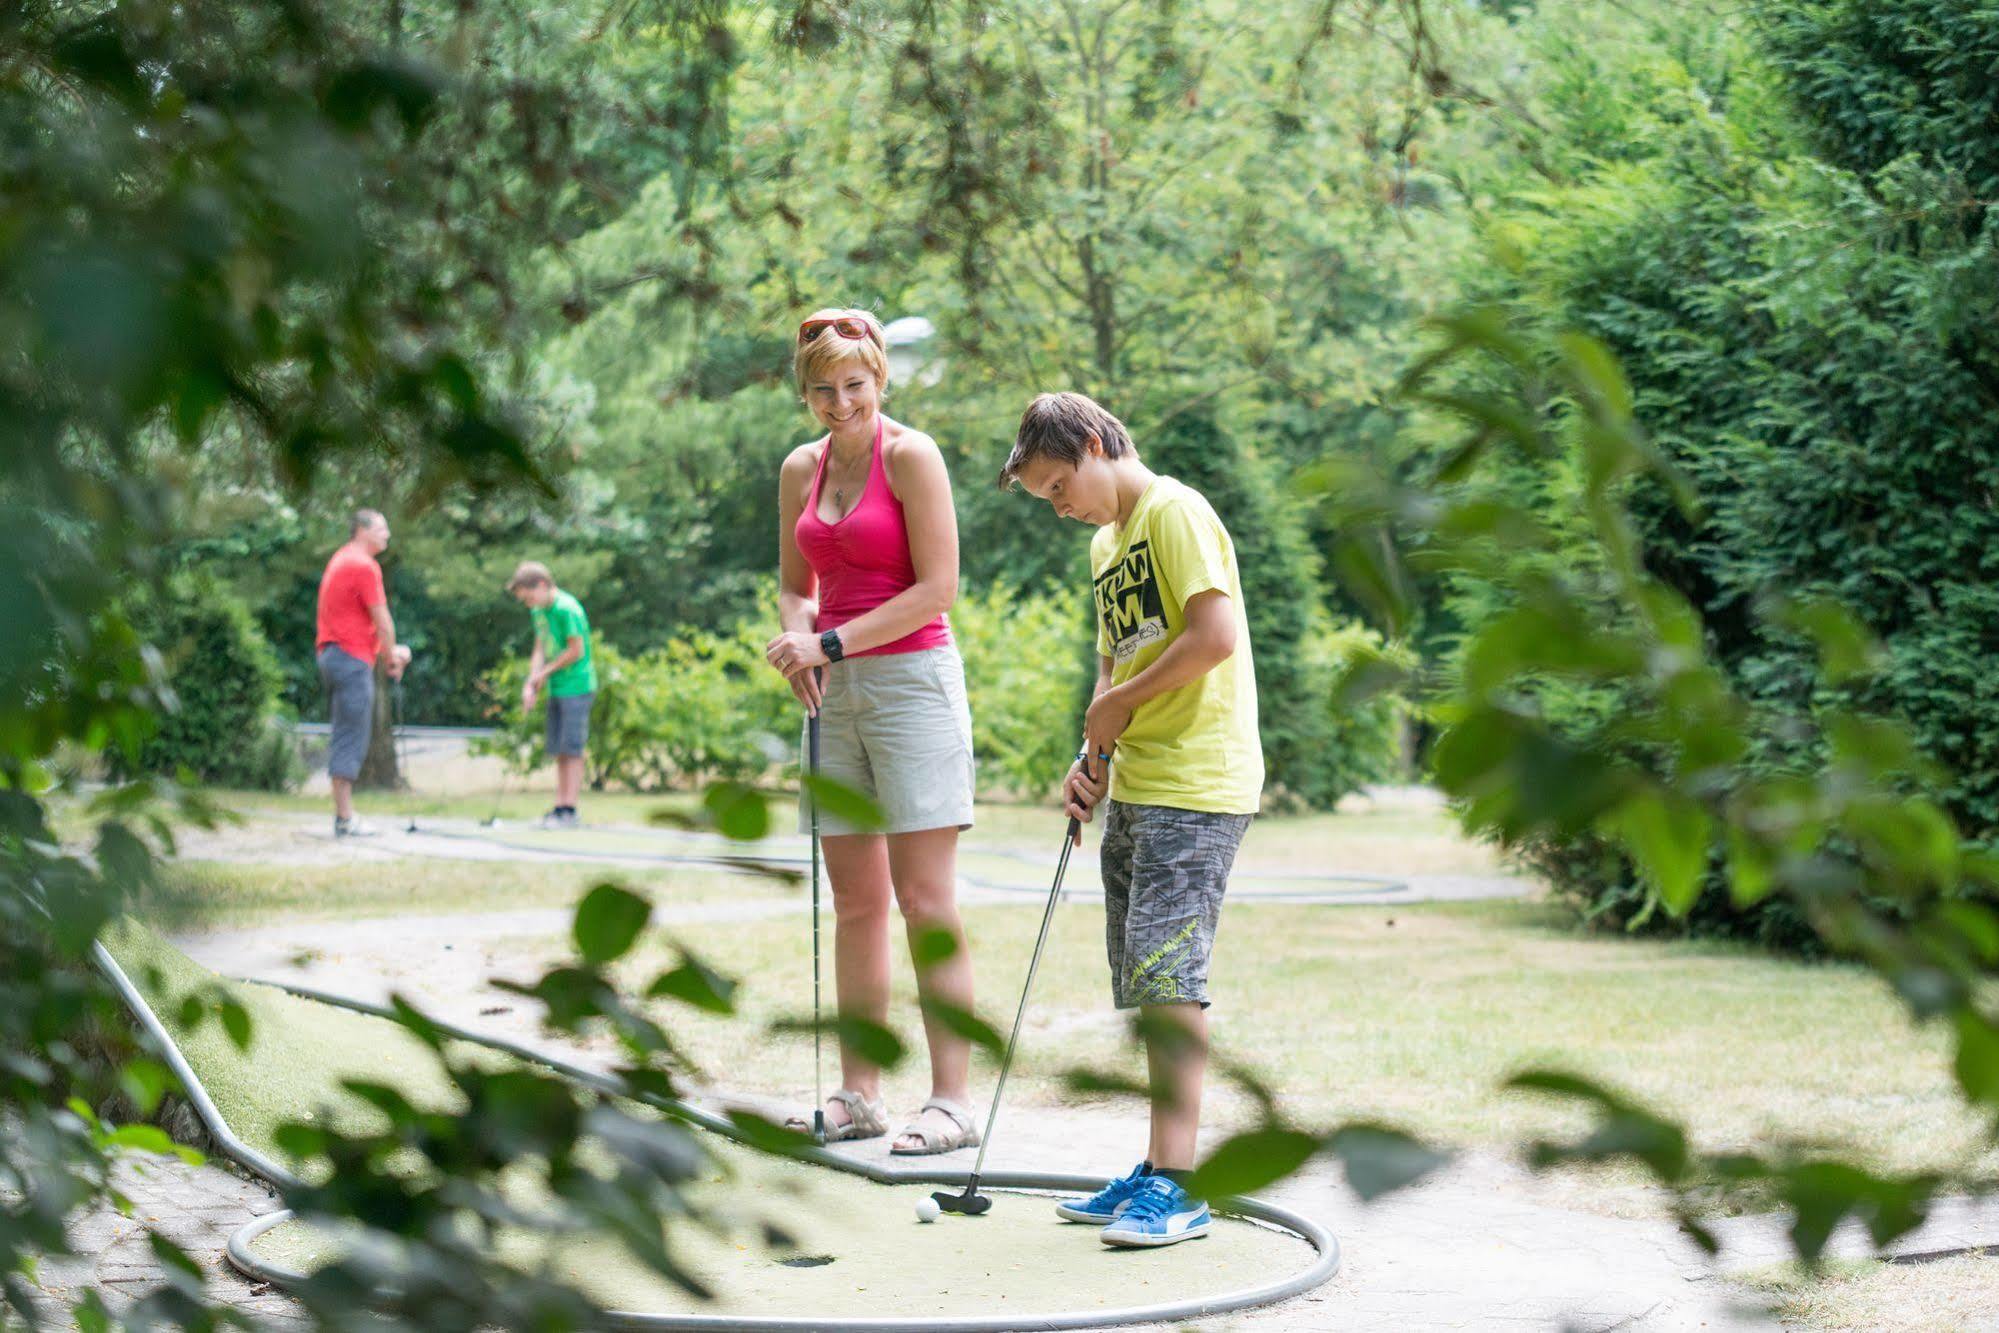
[{"x": 874, "y": 1260}]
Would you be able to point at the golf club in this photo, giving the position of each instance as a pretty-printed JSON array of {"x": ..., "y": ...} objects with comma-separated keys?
[
  {"x": 402, "y": 745},
  {"x": 812, "y": 805},
  {"x": 506, "y": 772},
  {"x": 971, "y": 1203}
]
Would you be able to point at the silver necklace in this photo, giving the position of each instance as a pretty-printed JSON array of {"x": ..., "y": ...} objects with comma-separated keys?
[{"x": 840, "y": 487}]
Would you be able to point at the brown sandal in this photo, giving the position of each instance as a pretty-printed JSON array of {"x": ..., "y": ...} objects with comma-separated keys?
[
  {"x": 865, "y": 1119},
  {"x": 964, "y": 1132}
]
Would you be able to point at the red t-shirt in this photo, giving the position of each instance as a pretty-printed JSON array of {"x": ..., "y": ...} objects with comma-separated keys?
[{"x": 350, "y": 587}]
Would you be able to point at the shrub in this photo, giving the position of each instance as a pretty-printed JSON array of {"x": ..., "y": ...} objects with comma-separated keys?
[
  {"x": 1798, "y": 331},
  {"x": 706, "y": 706},
  {"x": 223, "y": 725},
  {"x": 1029, "y": 664},
  {"x": 701, "y": 707}
]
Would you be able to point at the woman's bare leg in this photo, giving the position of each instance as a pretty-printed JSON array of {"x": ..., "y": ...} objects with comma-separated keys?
[
  {"x": 924, "y": 869},
  {"x": 858, "y": 867}
]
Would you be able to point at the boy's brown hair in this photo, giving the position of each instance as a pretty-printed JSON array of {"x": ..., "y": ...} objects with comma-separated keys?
[
  {"x": 530, "y": 574},
  {"x": 1059, "y": 426}
]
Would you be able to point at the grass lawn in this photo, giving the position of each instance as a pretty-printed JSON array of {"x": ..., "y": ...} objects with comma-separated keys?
[
  {"x": 1416, "y": 1014},
  {"x": 1954, "y": 1294},
  {"x": 1379, "y": 842},
  {"x": 1412, "y": 1014},
  {"x": 222, "y": 895}
]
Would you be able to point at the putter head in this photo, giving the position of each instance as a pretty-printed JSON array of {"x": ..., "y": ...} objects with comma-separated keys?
[{"x": 971, "y": 1203}]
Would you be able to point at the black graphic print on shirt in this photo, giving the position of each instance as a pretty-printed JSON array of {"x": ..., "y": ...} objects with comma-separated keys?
[{"x": 1128, "y": 602}]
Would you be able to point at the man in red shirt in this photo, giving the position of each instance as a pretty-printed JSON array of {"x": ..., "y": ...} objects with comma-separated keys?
[{"x": 354, "y": 631}]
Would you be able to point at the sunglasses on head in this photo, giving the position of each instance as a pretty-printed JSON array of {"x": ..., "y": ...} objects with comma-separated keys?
[{"x": 844, "y": 325}]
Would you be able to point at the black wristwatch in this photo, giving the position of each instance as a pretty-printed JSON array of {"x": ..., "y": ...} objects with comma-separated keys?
[{"x": 829, "y": 644}]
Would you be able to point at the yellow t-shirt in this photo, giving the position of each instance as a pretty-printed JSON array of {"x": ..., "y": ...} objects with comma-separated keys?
[{"x": 1196, "y": 747}]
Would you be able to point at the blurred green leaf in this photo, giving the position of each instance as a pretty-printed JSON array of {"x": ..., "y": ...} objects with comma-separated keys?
[
  {"x": 236, "y": 1022},
  {"x": 1668, "y": 835},
  {"x": 1379, "y": 1160},
  {"x": 964, "y": 1023},
  {"x": 1251, "y": 1160},
  {"x": 1977, "y": 1061},
  {"x": 932, "y": 945},
  {"x": 869, "y": 1040},
  {"x": 738, "y": 810},
  {"x": 843, "y": 802},
  {"x": 608, "y": 923},
  {"x": 697, "y": 984}
]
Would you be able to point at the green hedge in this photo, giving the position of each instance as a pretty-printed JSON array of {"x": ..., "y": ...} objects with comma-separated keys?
[
  {"x": 223, "y": 724},
  {"x": 1807, "y": 332}
]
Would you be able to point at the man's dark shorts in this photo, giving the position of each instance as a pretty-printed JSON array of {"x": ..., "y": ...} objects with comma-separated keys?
[
  {"x": 568, "y": 723},
  {"x": 1164, "y": 872},
  {"x": 350, "y": 688}
]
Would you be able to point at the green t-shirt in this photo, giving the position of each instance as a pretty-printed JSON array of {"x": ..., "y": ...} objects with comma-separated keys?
[
  {"x": 554, "y": 626},
  {"x": 1196, "y": 747}
]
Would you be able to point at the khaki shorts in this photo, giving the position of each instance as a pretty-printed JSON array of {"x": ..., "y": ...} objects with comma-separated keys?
[{"x": 897, "y": 729}]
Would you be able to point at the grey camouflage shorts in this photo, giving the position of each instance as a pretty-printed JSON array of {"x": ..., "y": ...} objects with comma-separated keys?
[{"x": 1164, "y": 871}]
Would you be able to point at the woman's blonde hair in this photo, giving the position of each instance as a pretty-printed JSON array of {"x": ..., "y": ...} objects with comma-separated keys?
[{"x": 816, "y": 358}]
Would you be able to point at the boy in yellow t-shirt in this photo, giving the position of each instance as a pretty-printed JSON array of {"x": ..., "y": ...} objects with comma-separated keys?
[{"x": 1175, "y": 710}]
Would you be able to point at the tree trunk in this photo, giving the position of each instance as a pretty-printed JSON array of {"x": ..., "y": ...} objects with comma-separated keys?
[{"x": 379, "y": 771}]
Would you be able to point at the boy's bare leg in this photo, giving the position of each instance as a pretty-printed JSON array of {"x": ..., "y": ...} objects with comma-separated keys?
[
  {"x": 1176, "y": 1064},
  {"x": 343, "y": 798},
  {"x": 568, "y": 779}
]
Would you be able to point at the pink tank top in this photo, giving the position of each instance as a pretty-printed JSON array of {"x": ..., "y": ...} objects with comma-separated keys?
[{"x": 863, "y": 560}]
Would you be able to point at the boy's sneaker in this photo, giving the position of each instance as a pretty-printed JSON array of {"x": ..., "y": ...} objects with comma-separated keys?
[
  {"x": 352, "y": 828},
  {"x": 561, "y": 818},
  {"x": 1160, "y": 1213},
  {"x": 1103, "y": 1207}
]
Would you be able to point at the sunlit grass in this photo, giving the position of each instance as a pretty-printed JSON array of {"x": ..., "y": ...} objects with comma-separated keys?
[
  {"x": 1955, "y": 1294},
  {"x": 212, "y": 895}
]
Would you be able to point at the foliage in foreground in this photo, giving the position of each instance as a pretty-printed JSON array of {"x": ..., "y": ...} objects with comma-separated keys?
[
  {"x": 1881, "y": 873},
  {"x": 268, "y": 191}
]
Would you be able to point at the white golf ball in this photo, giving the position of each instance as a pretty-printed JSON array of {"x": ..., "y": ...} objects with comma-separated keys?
[{"x": 927, "y": 1209}]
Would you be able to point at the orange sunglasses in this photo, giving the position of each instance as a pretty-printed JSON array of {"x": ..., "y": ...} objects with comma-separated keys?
[{"x": 844, "y": 325}]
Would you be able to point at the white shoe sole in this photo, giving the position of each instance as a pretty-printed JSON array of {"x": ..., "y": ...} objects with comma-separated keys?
[
  {"x": 1130, "y": 1241},
  {"x": 1088, "y": 1219}
]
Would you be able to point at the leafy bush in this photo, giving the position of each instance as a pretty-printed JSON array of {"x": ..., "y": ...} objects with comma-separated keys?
[
  {"x": 704, "y": 706},
  {"x": 1028, "y": 669},
  {"x": 1799, "y": 334},
  {"x": 222, "y": 725}
]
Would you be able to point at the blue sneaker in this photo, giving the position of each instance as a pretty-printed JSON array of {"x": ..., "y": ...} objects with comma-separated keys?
[
  {"x": 1103, "y": 1207},
  {"x": 1160, "y": 1213}
]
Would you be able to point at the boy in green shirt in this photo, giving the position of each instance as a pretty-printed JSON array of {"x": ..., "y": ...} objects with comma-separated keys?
[
  {"x": 1175, "y": 708},
  {"x": 561, "y": 659}
]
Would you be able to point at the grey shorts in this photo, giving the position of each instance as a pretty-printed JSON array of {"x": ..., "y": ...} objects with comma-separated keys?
[
  {"x": 897, "y": 728},
  {"x": 1164, "y": 872},
  {"x": 568, "y": 723},
  {"x": 350, "y": 690}
]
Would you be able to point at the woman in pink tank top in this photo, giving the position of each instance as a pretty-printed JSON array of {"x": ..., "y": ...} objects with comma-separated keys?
[{"x": 868, "y": 568}]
